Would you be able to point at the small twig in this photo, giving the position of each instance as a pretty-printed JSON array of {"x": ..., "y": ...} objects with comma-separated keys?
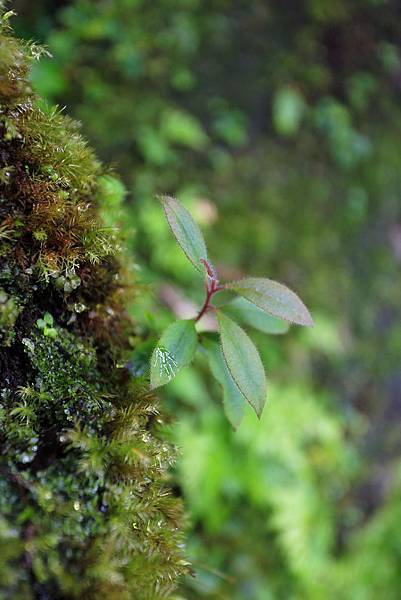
[
  {"x": 212, "y": 286},
  {"x": 206, "y": 304}
]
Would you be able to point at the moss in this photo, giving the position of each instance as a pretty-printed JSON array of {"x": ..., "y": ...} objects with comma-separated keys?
[{"x": 85, "y": 509}]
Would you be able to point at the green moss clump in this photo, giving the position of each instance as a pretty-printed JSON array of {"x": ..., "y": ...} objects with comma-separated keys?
[{"x": 85, "y": 510}]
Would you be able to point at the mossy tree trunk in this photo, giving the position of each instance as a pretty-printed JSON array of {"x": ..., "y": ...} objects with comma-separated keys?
[{"x": 84, "y": 508}]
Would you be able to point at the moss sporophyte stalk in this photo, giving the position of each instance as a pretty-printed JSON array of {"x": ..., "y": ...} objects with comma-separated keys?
[{"x": 85, "y": 508}]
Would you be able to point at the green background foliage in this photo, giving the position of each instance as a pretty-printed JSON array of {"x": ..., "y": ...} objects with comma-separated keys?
[{"x": 278, "y": 126}]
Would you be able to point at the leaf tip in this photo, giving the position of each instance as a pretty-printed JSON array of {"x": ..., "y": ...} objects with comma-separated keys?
[{"x": 307, "y": 320}]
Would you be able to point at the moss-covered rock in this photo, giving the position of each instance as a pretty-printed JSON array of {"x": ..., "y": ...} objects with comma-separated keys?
[{"x": 85, "y": 510}]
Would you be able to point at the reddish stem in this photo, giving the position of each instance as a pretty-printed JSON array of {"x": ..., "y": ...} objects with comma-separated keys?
[
  {"x": 212, "y": 286},
  {"x": 210, "y": 290},
  {"x": 205, "y": 306}
]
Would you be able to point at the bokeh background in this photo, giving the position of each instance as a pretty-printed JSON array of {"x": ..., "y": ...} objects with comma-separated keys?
[{"x": 278, "y": 124}]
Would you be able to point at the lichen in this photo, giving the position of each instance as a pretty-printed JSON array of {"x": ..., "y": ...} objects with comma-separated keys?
[{"x": 85, "y": 508}]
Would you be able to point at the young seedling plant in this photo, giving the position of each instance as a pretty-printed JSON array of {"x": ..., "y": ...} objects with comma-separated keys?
[{"x": 235, "y": 362}]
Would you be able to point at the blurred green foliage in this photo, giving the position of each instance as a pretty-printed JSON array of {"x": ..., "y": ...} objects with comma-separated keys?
[{"x": 279, "y": 126}]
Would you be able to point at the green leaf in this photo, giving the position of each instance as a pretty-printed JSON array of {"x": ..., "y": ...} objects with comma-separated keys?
[
  {"x": 182, "y": 128},
  {"x": 48, "y": 319},
  {"x": 251, "y": 315},
  {"x": 186, "y": 231},
  {"x": 288, "y": 110},
  {"x": 233, "y": 399},
  {"x": 50, "y": 332},
  {"x": 243, "y": 362},
  {"x": 176, "y": 349},
  {"x": 274, "y": 298}
]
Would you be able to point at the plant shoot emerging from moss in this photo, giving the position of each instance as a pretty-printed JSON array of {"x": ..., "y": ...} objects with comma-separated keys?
[{"x": 235, "y": 362}]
